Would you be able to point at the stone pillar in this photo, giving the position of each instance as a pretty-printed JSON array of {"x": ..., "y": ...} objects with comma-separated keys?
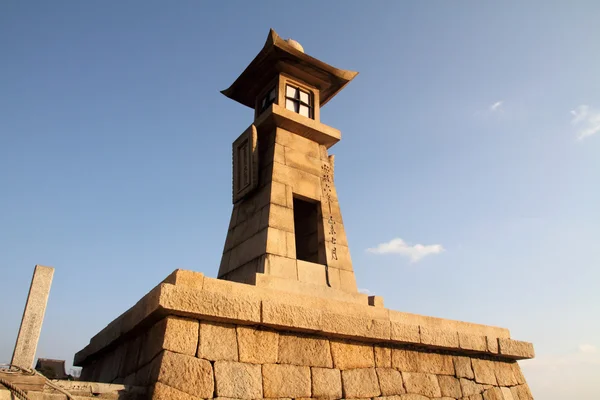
[{"x": 33, "y": 316}]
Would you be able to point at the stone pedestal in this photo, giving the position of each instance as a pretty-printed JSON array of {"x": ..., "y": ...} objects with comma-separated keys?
[{"x": 194, "y": 337}]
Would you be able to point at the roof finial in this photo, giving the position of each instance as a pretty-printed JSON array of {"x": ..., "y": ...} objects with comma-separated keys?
[{"x": 295, "y": 44}]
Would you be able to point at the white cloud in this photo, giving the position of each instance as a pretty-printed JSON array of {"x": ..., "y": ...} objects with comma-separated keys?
[
  {"x": 587, "y": 119},
  {"x": 414, "y": 252},
  {"x": 364, "y": 291},
  {"x": 497, "y": 106},
  {"x": 587, "y": 348}
]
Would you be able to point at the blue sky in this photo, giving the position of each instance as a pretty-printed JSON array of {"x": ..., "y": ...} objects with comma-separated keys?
[{"x": 473, "y": 129}]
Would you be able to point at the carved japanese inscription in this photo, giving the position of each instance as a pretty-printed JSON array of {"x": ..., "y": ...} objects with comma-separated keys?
[
  {"x": 326, "y": 183},
  {"x": 245, "y": 164}
]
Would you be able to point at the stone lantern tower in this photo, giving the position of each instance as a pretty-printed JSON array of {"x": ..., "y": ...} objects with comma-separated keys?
[{"x": 286, "y": 227}]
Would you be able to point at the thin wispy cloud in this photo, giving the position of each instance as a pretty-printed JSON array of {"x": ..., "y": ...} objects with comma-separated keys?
[
  {"x": 588, "y": 348},
  {"x": 364, "y": 291},
  {"x": 587, "y": 120},
  {"x": 497, "y": 106},
  {"x": 414, "y": 252}
]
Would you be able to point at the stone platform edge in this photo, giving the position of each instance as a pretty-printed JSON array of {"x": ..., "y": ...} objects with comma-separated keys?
[{"x": 191, "y": 294}]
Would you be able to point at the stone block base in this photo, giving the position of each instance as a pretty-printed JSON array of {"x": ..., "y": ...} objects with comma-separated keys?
[{"x": 196, "y": 338}]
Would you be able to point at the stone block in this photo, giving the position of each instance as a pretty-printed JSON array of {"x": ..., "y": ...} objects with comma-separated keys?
[
  {"x": 505, "y": 374},
  {"x": 278, "y": 217},
  {"x": 515, "y": 348},
  {"x": 423, "y": 384},
  {"x": 497, "y": 393},
  {"x": 296, "y": 142},
  {"x": 410, "y": 396},
  {"x": 290, "y": 381},
  {"x": 439, "y": 337},
  {"x": 350, "y": 355},
  {"x": 355, "y": 326},
  {"x": 184, "y": 277},
  {"x": 360, "y": 383},
  {"x": 347, "y": 278},
  {"x": 521, "y": 392},
  {"x": 302, "y": 161},
  {"x": 304, "y": 350},
  {"x": 280, "y": 266},
  {"x": 165, "y": 392},
  {"x": 277, "y": 243},
  {"x": 518, "y": 373},
  {"x": 187, "y": 374},
  {"x": 178, "y": 335},
  {"x": 278, "y": 194},
  {"x": 484, "y": 371},
  {"x": 238, "y": 380},
  {"x": 434, "y": 363},
  {"x": 471, "y": 388},
  {"x": 326, "y": 383},
  {"x": 474, "y": 397},
  {"x": 472, "y": 342},
  {"x": 405, "y": 360},
  {"x": 132, "y": 355},
  {"x": 405, "y": 333},
  {"x": 463, "y": 368},
  {"x": 257, "y": 346},
  {"x": 390, "y": 381},
  {"x": 301, "y": 182},
  {"x": 450, "y": 386},
  {"x": 217, "y": 342},
  {"x": 492, "y": 344},
  {"x": 238, "y": 308},
  {"x": 311, "y": 273},
  {"x": 383, "y": 357},
  {"x": 288, "y": 315}
]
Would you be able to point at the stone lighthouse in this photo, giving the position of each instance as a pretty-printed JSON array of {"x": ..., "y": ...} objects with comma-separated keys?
[
  {"x": 286, "y": 227},
  {"x": 283, "y": 319}
]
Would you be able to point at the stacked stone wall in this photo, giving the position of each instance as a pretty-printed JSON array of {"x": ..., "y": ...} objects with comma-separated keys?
[{"x": 184, "y": 358}]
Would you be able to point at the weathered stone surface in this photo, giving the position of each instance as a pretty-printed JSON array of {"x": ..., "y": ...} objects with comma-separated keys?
[
  {"x": 303, "y": 350},
  {"x": 405, "y": 360},
  {"x": 419, "y": 383},
  {"x": 383, "y": 357},
  {"x": 179, "y": 335},
  {"x": 390, "y": 381},
  {"x": 286, "y": 381},
  {"x": 217, "y": 342},
  {"x": 434, "y": 363},
  {"x": 474, "y": 397},
  {"x": 497, "y": 393},
  {"x": 349, "y": 355},
  {"x": 463, "y": 368},
  {"x": 439, "y": 337},
  {"x": 326, "y": 383},
  {"x": 33, "y": 316},
  {"x": 287, "y": 315},
  {"x": 450, "y": 386},
  {"x": 238, "y": 380},
  {"x": 492, "y": 344},
  {"x": 184, "y": 277},
  {"x": 187, "y": 374},
  {"x": 484, "y": 371},
  {"x": 346, "y": 325},
  {"x": 505, "y": 373},
  {"x": 518, "y": 373},
  {"x": 521, "y": 392},
  {"x": 472, "y": 342},
  {"x": 132, "y": 355},
  {"x": 360, "y": 383},
  {"x": 164, "y": 392},
  {"x": 405, "y": 333},
  {"x": 257, "y": 346},
  {"x": 515, "y": 348},
  {"x": 470, "y": 388},
  {"x": 412, "y": 396},
  {"x": 237, "y": 308}
]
